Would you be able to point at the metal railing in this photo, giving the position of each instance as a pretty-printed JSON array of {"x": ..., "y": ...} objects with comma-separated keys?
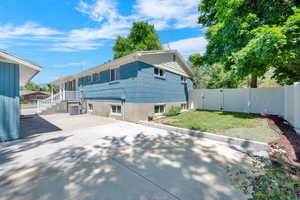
[{"x": 57, "y": 98}]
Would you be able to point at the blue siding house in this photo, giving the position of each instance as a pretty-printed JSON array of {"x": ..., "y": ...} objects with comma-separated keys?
[
  {"x": 14, "y": 72},
  {"x": 135, "y": 86}
]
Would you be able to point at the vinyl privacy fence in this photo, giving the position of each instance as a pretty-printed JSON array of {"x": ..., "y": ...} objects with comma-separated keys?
[{"x": 283, "y": 101}]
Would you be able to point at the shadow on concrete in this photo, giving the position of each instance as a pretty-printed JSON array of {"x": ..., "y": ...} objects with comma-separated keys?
[
  {"x": 10, "y": 150},
  {"x": 164, "y": 167},
  {"x": 34, "y": 124}
]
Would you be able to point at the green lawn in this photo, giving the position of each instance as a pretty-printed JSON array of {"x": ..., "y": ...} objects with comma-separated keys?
[{"x": 241, "y": 125}]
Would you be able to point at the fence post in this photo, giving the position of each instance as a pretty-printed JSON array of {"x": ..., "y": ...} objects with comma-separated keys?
[
  {"x": 285, "y": 102},
  {"x": 38, "y": 106},
  {"x": 297, "y": 107},
  {"x": 249, "y": 100}
]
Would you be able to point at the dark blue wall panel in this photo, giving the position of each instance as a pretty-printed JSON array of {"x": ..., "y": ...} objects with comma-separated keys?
[
  {"x": 9, "y": 102},
  {"x": 137, "y": 84}
]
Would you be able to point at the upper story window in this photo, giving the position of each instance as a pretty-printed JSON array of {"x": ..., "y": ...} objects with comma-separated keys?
[
  {"x": 159, "y": 72},
  {"x": 114, "y": 74},
  {"x": 89, "y": 79},
  {"x": 174, "y": 58},
  {"x": 183, "y": 79},
  {"x": 96, "y": 77}
]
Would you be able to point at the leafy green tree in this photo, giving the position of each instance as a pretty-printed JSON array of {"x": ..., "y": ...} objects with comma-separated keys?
[
  {"x": 142, "y": 37},
  {"x": 35, "y": 87},
  {"x": 245, "y": 36},
  {"x": 200, "y": 71},
  {"x": 214, "y": 76},
  {"x": 32, "y": 86}
]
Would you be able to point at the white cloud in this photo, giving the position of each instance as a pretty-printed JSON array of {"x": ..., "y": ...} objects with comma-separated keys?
[
  {"x": 188, "y": 46},
  {"x": 100, "y": 10},
  {"x": 8, "y": 31},
  {"x": 107, "y": 31},
  {"x": 177, "y": 14},
  {"x": 71, "y": 64},
  {"x": 164, "y": 14},
  {"x": 73, "y": 46}
]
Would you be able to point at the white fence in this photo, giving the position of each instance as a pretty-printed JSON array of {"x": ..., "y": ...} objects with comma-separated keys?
[{"x": 283, "y": 101}]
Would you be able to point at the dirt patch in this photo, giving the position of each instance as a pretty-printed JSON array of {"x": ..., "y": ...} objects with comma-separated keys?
[{"x": 288, "y": 143}]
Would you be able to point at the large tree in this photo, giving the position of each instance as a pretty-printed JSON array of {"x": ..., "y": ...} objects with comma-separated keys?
[
  {"x": 142, "y": 37},
  {"x": 251, "y": 36},
  {"x": 212, "y": 76}
]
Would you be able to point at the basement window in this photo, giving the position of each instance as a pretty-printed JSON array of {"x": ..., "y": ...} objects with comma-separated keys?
[
  {"x": 159, "y": 109},
  {"x": 116, "y": 109},
  {"x": 184, "y": 107},
  {"x": 159, "y": 72},
  {"x": 91, "y": 107}
]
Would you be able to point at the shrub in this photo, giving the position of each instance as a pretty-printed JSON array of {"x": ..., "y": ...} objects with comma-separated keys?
[
  {"x": 267, "y": 181},
  {"x": 175, "y": 110},
  {"x": 24, "y": 101}
]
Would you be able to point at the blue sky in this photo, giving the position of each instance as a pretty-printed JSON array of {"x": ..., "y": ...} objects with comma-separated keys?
[{"x": 68, "y": 36}]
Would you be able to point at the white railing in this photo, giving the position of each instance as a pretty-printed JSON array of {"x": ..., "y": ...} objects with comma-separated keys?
[{"x": 57, "y": 98}]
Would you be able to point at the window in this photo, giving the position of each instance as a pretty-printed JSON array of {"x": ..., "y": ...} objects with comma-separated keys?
[
  {"x": 91, "y": 107},
  {"x": 114, "y": 74},
  {"x": 96, "y": 77},
  {"x": 174, "y": 58},
  {"x": 183, "y": 79},
  {"x": 89, "y": 79},
  {"x": 159, "y": 109},
  {"x": 159, "y": 72},
  {"x": 116, "y": 109},
  {"x": 184, "y": 106}
]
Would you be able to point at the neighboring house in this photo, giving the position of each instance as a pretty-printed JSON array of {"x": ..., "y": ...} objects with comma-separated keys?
[
  {"x": 33, "y": 96},
  {"x": 14, "y": 72},
  {"x": 135, "y": 86}
]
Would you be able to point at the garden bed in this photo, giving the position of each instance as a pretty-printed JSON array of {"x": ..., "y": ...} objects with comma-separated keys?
[
  {"x": 288, "y": 142},
  {"x": 240, "y": 125}
]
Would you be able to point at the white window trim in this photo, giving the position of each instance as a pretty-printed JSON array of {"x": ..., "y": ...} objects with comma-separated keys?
[
  {"x": 90, "y": 110},
  {"x": 114, "y": 113},
  {"x": 115, "y": 72},
  {"x": 160, "y": 113},
  {"x": 158, "y": 75},
  {"x": 182, "y": 109},
  {"x": 183, "y": 81}
]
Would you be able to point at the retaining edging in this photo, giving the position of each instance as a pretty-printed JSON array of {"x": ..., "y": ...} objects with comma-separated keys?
[{"x": 248, "y": 146}]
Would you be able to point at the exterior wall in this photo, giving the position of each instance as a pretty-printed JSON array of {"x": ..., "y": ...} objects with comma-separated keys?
[
  {"x": 137, "y": 90},
  {"x": 130, "y": 111},
  {"x": 61, "y": 107},
  {"x": 137, "y": 84},
  {"x": 9, "y": 102}
]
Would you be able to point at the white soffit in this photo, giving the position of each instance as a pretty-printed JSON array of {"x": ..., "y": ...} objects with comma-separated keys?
[{"x": 27, "y": 69}]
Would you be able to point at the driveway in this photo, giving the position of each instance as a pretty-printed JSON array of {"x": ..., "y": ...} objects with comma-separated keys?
[{"x": 117, "y": 160}]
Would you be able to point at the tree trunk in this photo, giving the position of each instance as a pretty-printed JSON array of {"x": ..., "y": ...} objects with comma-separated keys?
[{"x": 253, "y": 83}]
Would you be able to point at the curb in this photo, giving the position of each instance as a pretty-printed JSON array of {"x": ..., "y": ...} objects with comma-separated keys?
[{"x": 248, "y": 146}]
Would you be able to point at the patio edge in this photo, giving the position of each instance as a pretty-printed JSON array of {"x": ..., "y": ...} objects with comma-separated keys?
[{"x": 247, "y": 146}]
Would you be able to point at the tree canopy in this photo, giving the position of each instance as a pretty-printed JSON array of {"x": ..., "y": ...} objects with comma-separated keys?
[
  {"x": 142, "y": 37},
  {"x": 212, "y": 76},
  {"x": 35, "y": 87},
  {"x": 249, "y": 37}
]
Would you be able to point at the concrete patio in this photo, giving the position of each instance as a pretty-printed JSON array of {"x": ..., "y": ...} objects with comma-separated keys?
[{"x": 116, "y": 160}]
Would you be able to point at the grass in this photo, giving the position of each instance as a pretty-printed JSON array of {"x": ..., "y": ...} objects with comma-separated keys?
[{"x": 241, "y": 125}]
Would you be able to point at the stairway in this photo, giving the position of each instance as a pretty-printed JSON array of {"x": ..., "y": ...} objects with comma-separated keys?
[{"x": 57, "y": 102}]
